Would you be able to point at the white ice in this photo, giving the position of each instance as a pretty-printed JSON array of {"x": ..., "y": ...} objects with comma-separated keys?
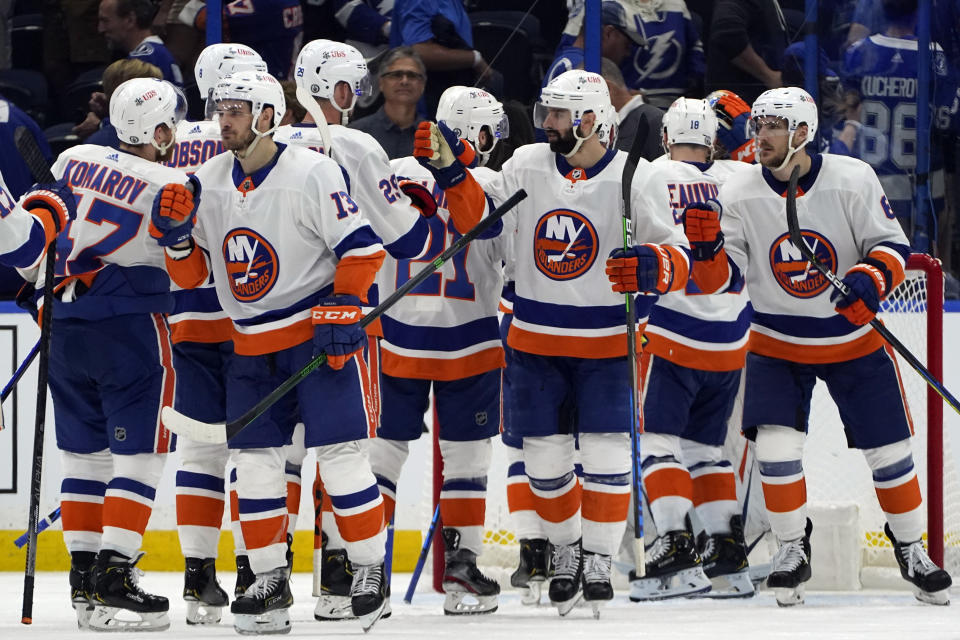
[{"x": 871, "y": 615}]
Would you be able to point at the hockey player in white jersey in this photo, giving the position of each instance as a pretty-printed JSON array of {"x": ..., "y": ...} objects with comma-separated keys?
[
  {"x": 804, "y": 329},
  {"x": 292, "y": 259},
  {"x": 202, "y": 344},
  {"x": 568, "y": 329},
  {"x": 30, "y": 224},
  {"x": 690, "y": 374}
]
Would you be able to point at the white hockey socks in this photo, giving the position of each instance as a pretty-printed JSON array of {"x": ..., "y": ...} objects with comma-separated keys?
[
  {"x": 780, "y": 462},
  {"x": 85, "y": 478},
  {"x": 898, "y": 490},
  {"x": 463, "y": 495},
  {"x": 714, "y": 485},
  {"x": 520, "y": 501},
  {"x": 556, "y": 490},
  {"x": 128, "y": 502},
  {"x": 200, "y": 496},
  {"x": 666, "y": 480},
  {"x": 262, "y": 506},
  {"x": 606, "y": 490}
]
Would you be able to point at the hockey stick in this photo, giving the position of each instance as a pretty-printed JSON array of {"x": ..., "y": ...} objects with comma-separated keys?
[
  {"x": 41, "y": 527},
  {"x": 22, "y": 369},
  {"x": 218, "y": 433},
  {"x": 626, "y": 183},
  {"x": 797, "y": 239},
  {"x": 30, "y": 152},
  {"x": 422, "y": 560}
]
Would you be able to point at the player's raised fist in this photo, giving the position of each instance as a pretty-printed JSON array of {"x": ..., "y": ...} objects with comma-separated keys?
[
  {"x": 867, "y": 284},
  {"x": 336, "y": 329},
  {"x": 645, "y": 268},
  {"x": 53, "y": 204},
  {"x": 420, "y": 196},
  {"x": 438, "y": 148},
  {"x": 701, "y": 224},
  {"x": 175, "y": 212}
]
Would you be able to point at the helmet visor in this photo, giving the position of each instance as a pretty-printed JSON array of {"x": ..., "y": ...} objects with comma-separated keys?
[
  {"x": 768, "y": 126},
  {"x": 545, "y": 117}
]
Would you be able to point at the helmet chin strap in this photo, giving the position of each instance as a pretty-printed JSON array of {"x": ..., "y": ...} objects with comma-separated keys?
[
  {"x": 791, "y": 150},
  {"x": 257, "y": 136},
  {"x": 579, "y": 141}
]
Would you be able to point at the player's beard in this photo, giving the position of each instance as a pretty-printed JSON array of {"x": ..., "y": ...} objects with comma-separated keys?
[
  {"x": 239, "y": 142},
  {"x": 564, "y": 143},
  {"x": 774, "y": 162}
]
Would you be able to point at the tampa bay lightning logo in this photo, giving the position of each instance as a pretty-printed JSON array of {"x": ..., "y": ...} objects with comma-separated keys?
[
  {"x": 793, "y": 272},
  {"x": 564, "y": 244},
  {"x": 252, "y": 265}
]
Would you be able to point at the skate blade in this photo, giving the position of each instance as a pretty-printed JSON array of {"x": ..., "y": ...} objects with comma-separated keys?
[
  {"x": 269, "y": 623},
  {"x": 530, "y": 594},
  {"x": 938, "y": 598},
  {"x": 731, "y": 585},
  {"x": 789, "y": 597},
  {"x": 111, "y": 619},
  {"x": 565, "y": 607},
  {"x": 687, "y": 582},
  {"x": 367, "y": 621},
  {"x": 467, "y": 604},
  {"x": 84, "y": 610},
  {"x": 203, "y": 613},
  {"x": 596, "y": 605},
  {"x": 333, "y": 609}
]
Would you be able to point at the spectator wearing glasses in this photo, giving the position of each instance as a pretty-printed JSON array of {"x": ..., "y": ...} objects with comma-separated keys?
[{"x": 402, "y": 81}]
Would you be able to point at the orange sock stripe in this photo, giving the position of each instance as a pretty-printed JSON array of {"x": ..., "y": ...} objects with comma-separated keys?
[
  {"x": 520, "y": 497},
  {"x": 81, "y": 516},
  {"x": 902, "y": 498},
  {"x": 125, "y": 514},
  {"x": 560, "y": 508},
  {"x": 259, "y": 534},
  {"x": 605, "y": 507},
  {"x": 234, "y": 507},
  {"x": 389, "y": 506},
  {"x": 361, "y": 526},
  {"x": 199, "y": 511},
  {"x": 713, "y": 487},
  {"x": 671, "y": 481},
  {"x": 293, "y": 498},
  {"x": 784, "y": 498},
  {"x": 462, "y": 512},
  {"x": 325, "y": 504}
]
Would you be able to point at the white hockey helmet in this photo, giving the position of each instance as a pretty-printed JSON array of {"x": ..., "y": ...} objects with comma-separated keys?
[
  {"x": 222, "y": 59},
  {"x": 793, "y": 105},
  {"x": 579, "y": 92},
  {"x": 323, "y": 64},
  {"x": 140, "y": 105},
  {"x": 467, "y": 110},
  {"x": 260, "y": 90},
  {"x": 689, "y": 121}
]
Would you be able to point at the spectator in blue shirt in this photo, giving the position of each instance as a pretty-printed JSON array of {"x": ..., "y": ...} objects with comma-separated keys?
[{"x": 126, "y": 26}]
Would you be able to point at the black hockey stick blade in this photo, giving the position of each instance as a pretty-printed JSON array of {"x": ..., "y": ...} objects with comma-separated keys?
[
  {"x": 30, "y": 152},
  {"x": 217, "y": 433},
  {"x": 796, "y": 238}
]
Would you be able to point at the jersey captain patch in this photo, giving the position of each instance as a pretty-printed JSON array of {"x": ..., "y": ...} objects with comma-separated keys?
[
  {"x": 565, "y": 244},
  {"x": 793, "y": 272},
  {"x": 252, "y": 264}
]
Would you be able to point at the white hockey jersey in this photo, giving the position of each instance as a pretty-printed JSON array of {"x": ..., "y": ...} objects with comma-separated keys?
[
  {"x": 844, "y": 216},
  {"x": 22, "y": 238},
  {"x": 564, "y": 231},
  {"x": 689, "y": 328},
  {"x": 197, "y": 142},
  {"x": 274, "y": 240},
  {"x": 446, "y": 328}
]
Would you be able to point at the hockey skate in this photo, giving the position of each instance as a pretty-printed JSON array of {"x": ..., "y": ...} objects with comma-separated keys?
[
  {"x": 597, "y": 587},
  {"x": 245, "y": 577},
  {"x": 930, "y": 582},
  {"x": 81, "y": 585},
  {"x": 262, "y": 609},
  {"x": 368, "y": 594},
  {"x": 533, "y": 570},
  {"x": 674, "y": 570},
  {"x": 336, "y": 578},
  {"x": 724, "y": 558},
  {"x": 790, "y": 568},
  {"x": 565, "y": 591},
  {"x": 116, "y": 595},
  {"x": 203, "y": 594},
  {"x": 467, "y": 590}
]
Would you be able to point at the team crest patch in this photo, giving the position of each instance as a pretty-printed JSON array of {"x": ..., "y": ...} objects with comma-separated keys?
[
  {"x": 252, "y": 265},
  {"x": 794, "y": 273},
  {"x": 565, "y": 244}
]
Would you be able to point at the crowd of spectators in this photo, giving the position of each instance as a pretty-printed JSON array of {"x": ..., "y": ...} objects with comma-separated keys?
[{"x": 59, "y": 60}]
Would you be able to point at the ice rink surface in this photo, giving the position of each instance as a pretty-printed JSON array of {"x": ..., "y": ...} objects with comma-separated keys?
[{"x": 869, "y": 615}]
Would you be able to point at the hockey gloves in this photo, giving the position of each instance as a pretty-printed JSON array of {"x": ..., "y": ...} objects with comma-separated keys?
[
  {"x": 701, "y": 224},
  {"x": 868, "y": 284},
  {"x": 646, "y": 268},
  {"x": 175, "y": 212},
  {"x": 53, "y": 205},
  {"x": 439, "y": 149},
  {"x": 336, "y": 329},
  {"x": 420, "y": 196}
]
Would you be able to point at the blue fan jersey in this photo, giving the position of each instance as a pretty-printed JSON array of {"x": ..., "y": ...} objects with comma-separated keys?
[
  {"x": 272, "y": 28},
  {"x": 672, "y": 55}
]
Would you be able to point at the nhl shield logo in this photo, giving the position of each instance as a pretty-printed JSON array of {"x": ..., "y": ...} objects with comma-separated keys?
[
  {"x": 480, "y": 418},
  {"x": 564, "y": 245},
  {"x": 251, "y": 262},
  {"x": 793, "y": 272}
]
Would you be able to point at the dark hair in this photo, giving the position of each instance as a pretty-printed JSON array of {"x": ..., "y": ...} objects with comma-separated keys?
[
  {"x": 400, "y": 53},
  {"x": 143, "y": 11},
  {"x": 899, "y": 11}
]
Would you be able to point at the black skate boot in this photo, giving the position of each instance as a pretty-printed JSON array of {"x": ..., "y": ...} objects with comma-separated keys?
[
  {"x": 673, "y": 567},
  {"x": 368, "y": 594},
  {"x": 724, "y": 558},
  {"x": 790, "y": 568},
  {"x": 597, "y": 587},
  {"x": 262, "y": 609},
  {"x": 336, "y": 578},
  {"x": 245, "y": 577},
  {"x": 467, "y": 590},
  {"x": 81, "y": 585},
  {"x": 205, "y": 598},
  {"x": 930, "y": 582},
  {"x": 115, "y": 589},
  {"x": 567, "y": 563},
  {"x": 532, "y": 571}
]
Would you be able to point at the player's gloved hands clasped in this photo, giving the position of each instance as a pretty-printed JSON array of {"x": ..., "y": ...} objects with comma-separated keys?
[
  {"x": 439, "y": 149},
  {"x": 866, "y": 283},
  {"x": 336, "y": 329},
  {"x": 645, "y": 268},
  {"x": 175, "y": 212},
  {"x": 53, "y": 204},
  {"x": 701, "y": 224},
  {"x": 420, "y": 196}
]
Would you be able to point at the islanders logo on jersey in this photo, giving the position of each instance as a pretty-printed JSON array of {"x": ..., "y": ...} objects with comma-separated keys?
[
  {"x": 252, "y": 265},
  {"x": 565, "y": 244},
  {"x": 793, "y": 272}
]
